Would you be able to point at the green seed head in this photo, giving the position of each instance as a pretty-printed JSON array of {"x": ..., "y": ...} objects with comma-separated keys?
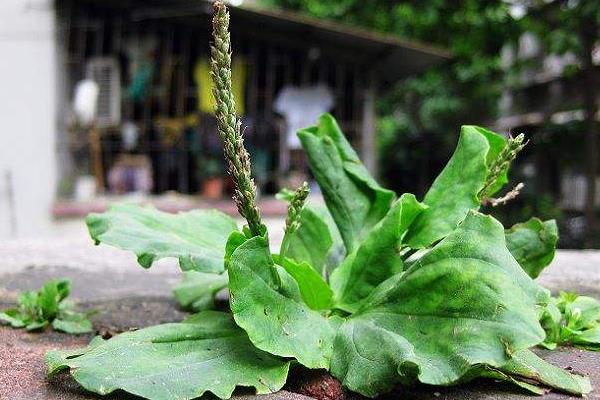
[
  {"x": 502, "y": 162},
  {"x": 292, "y": 222},
  {"x": 229, "y": 126}
]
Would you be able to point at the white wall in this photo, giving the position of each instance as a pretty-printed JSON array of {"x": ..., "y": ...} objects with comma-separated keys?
[{"x": 27, "y": 115}]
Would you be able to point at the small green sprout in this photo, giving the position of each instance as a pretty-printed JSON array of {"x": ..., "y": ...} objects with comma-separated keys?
[
  {"x": 572, "y": 320},
  {"x": 47, "y": 306}
]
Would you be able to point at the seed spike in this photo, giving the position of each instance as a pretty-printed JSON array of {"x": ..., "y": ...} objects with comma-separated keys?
[
  {"x": 229, "y": 126},
  {"x": 505, "y": 158}
]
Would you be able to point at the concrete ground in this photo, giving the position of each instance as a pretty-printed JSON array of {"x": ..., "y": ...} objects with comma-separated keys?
[{"x": 127, "y": 296}]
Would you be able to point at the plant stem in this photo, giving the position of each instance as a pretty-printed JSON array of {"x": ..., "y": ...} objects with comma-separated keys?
[
  {"x": 292, "y": 222},
  {"x": 229, "y": 126}
]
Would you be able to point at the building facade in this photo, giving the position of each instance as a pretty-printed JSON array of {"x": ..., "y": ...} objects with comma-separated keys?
[{"x": 113, "y": 97}]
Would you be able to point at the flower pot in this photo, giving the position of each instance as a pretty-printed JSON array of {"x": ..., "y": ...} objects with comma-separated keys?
[{"x": 212, "y": 188}]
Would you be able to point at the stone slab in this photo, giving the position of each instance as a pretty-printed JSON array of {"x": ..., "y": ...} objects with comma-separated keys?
[
  {"x": 22, "y": 368},
  {"x": 573, "y": 270},
  {"x": 577, "y": 361},
  {"x": 23, "y": 374}
]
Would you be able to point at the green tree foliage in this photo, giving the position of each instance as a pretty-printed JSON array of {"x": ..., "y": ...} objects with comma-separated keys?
[
  {"x": 425, "y": 112},
  {"x": 574, "y": 27}
]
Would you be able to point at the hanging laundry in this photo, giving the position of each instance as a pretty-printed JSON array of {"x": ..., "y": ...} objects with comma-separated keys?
[
  {"x": 172, "y": 129},
  {"x": 130, "y": 173},
  {"x": 130, "y": 134},
  {"x": 301, "y": 107},
  {"x": 141, "y": 53},
  {"x": 206, "y": 101},
  {"x": 85, "y": 101},
  {"x": 141, "y": 84}
]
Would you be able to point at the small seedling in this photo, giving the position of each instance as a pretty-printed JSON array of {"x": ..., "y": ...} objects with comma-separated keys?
[
  {"x": 49, "y": 306},
  {"x": 377, "y": 289},
  {"x": 572, "y": 320}
]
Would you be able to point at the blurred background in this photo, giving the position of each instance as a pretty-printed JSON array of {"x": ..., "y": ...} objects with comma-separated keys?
[{"x": 110, "y": 100}]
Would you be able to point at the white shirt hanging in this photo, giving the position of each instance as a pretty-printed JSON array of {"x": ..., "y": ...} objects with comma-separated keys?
[
  {"x": 301, "y": 107},
  {"x": 86, "y": 101}
]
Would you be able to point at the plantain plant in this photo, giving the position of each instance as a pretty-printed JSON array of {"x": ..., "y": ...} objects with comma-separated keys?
[
  {"x": 49, "y": 306},
  {"x": 377, "y": 289}
]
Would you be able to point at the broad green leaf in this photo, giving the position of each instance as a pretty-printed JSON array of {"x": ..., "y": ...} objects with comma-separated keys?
[
  {"x": 337, "y": 251},
  {"x": 583, "y": 312},
  {"x": 50, "y": 295},
  {"x": 235, "y": 240},
  {"x": 315, "y": 292},
  {"x": 206, "y": 353},
  {"x": 197, "y": 238},
  {"x": 466, "y": 302},
  {"x": 533, "y": 244},
  {"x": 377, "y": 258},
  {"x": 197, "y": 290},
  {"x": 356, "y": 202},
  {"x": 73, "y": 323},
  {"x": 275, "y": 320},
  {"x": 588, "y": 339},
  {"x": 526, "y": 367},
  {"x": 455, "y": 191},
  {"x": 497, "y": 143},
  {"x": 13, "y": 317},
  {"x": 36, "y": 325},
  {"x": 29, "y": 304}
]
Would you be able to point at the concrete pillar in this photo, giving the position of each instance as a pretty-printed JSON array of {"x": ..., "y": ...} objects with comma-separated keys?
[{"x": 27, "y": 117}]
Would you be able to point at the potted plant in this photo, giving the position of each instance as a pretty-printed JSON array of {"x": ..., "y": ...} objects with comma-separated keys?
[{"x": 210, "y": 174}]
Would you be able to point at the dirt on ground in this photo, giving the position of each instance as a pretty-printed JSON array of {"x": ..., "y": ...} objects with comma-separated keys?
[
  {"x": 22, "y": 371},
  {"x": 317, "y": 384}
]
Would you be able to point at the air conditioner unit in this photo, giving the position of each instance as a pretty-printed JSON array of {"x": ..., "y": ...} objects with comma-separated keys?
[{"x": 105, "y": 72}]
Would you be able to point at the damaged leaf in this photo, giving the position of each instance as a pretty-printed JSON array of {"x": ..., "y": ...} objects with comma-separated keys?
[
  {"x": 533, "y": 244},
  {"x": 356, "y": 202},
  {"x": 205, "y": 353},
  {"x": 455, "y": 191},
  {"x": 196, "y": 238},
  {"x": 465, "y": 303},
  {"x": 197, "y": 290}
]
